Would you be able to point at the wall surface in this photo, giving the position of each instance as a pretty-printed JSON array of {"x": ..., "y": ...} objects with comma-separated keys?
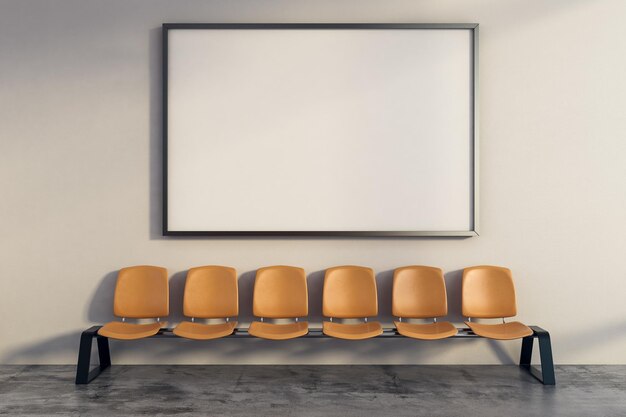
[{"x": 80, "y": 169}]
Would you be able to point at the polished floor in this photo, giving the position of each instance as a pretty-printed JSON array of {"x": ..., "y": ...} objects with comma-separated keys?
[{"x": 313, "y": 390}]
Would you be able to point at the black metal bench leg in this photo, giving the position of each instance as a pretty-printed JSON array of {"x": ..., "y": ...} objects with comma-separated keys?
[
  {"x": 546, "y": 374},
  {"x": 545, "y": 353},
  {"x": 83, "y": 374},
  {"x": 104, "y": 354},
  {"x": 527, "y": 352}
]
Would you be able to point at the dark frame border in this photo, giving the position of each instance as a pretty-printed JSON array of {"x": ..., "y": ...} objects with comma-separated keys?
[{"x": 474, "y": 140}]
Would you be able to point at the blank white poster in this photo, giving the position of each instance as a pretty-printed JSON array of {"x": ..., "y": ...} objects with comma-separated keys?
[{"x": 319, "y": 130}]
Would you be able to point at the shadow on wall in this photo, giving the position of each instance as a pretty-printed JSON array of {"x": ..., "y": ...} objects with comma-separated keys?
[
  {"x": 100, "y": 310},
  {"x": 453, "y": 288},
  {"x": 177, "y": 291},
  {"x": 246, "y": 288},
  {"x": 46, "y": 351},
  {"x": 155, "y": 165},
  {"x": 384, "y": 283},
  {"x": 315, "y": 286}
]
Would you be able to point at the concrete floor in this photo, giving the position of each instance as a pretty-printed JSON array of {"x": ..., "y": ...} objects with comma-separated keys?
[{"x": 313, "y": 390}]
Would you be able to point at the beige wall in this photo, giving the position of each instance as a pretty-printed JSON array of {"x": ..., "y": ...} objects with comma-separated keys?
[{"x": 80, "y": 183}]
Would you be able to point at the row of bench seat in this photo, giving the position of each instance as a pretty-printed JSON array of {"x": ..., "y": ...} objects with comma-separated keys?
[{"x": 280, "y": 301}]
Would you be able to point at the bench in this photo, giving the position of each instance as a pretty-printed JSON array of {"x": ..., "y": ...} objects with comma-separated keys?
[
  {"x": 280, "y": 292},
  {"x": 84, "y": 375}
]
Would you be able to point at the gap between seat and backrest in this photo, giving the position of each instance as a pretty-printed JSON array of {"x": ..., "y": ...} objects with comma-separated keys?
[
  {"x": 419, "y": 292},
  {"x": 141, "y": 292},
  {"x": 280, "y": 292},
  {"x": 349, "y": 292},
  {"x": 488, "y": 292},
  {"x": 211, "y": 292}
]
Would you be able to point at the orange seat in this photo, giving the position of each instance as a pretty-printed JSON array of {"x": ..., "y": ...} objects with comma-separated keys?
[
  {"x": 349, "y": 293},
  {"x": 426, "y": 331},
  {"x": 501, "y": 331},
  {"x": 201, "y": 331},
  {"x": 276, "y": 331},
  {"x": 129, "y": 331},
  {"x": 489, "y": 292},
  {"x": 141, "y": 292},
  {"x": 420, "y": 292},
  {"x": 210, "y": 292},
  {"x": 280, "y": 292},
  {"x": 356, "y": 331}
]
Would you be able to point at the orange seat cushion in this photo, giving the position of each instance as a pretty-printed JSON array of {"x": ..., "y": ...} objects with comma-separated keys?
[
  {"x": 201, "y": 331},
  {"x": 352, "y": 331},
  {"x": 426, "y": 331},
  {"x": 129, "y": 331},
  {"x": 501, "y": 331},
  {"x": 278, "y": 331}
]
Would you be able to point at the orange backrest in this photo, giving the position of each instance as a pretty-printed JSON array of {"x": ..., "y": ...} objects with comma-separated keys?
[
  {"x": 419, "y": 292},
  {"x": 211, "y": 292},
  {"x": 280, "y": 292},
  {"x": 488, "y": 292},
  {"x": 141, "y": 292},
  {"x": 349, "y": 292}
]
